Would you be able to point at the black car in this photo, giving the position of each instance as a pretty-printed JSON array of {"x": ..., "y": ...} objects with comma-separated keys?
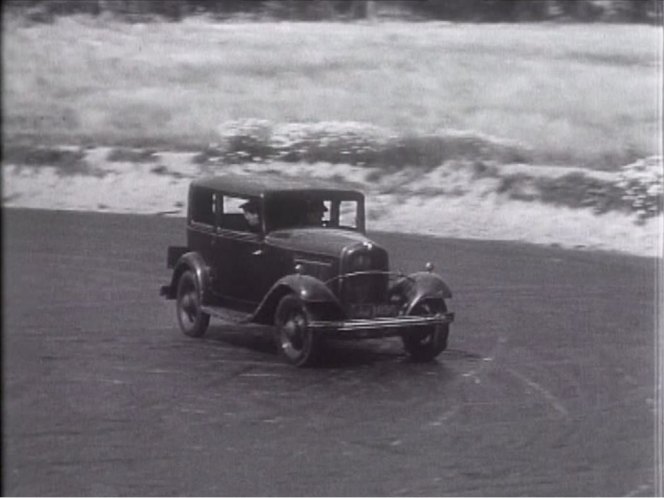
[{"x": 294, "y": 255}]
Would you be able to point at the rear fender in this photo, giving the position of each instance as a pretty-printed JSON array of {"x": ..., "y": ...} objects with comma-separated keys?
[
  {"x": 174, "y": 254},
  {"x": 421, "y": 286},
  {"x": 315, "y": 295},
  {"x": 193, "y": 262}
]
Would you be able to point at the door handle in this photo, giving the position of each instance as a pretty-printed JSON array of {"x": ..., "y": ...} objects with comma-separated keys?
[{"x": 257, "y": 252}]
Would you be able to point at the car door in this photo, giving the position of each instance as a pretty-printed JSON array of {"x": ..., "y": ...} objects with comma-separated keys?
[
  {"x": 202, "y": 221},
  {"x": 239, "y": 255}
]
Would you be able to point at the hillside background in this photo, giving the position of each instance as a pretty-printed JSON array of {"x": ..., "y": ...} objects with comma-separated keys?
[
  {"x": 639, "y": 11},
  {"x": 534, "y": 120}
]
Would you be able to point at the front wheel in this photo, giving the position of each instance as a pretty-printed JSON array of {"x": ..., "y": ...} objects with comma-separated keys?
[
  {"x": 193, "y": 321},
  {"x": 425, "y": 343},
  {"x": 295, "y": 340}
]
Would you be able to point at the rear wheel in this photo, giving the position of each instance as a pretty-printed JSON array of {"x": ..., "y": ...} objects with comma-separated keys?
[
  {"x": 425, "y": 343},
  {"x": 193, "y": 321},
  {"x": 295, "y": 339}
]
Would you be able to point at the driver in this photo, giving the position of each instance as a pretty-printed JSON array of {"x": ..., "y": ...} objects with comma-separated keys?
[
  {"x": 315, "y": 212},
  {"x": 250, "y": 211}
]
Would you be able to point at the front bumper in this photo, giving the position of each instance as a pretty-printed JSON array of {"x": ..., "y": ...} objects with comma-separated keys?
[{"x": 380, "y": 327}]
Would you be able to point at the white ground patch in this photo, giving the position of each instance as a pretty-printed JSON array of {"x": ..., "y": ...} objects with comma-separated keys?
[{"x": 444, "y": 202}]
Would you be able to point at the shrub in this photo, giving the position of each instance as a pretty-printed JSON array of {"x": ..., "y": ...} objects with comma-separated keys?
[
  {"x": 131, "y": 155},
  {"x": 246, "y": 140},
  {"x": 67, "y": 161},
  {"x": 329, "y": 141},
  {"x": 212, "y": 153},
  {"x": 358, "y": 143},
  {"x": 641, "y": 185},
  {"x": 638, "y": 189},
  {"x": 579, "y": 190}
]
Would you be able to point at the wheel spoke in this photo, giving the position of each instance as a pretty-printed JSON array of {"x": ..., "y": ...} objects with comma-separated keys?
[
  {"x": 290, "y": 328},
  {"x": 189, "y": 306},
  {"x": 293, "y": 332},
  {"x": 427, "y": 343},
  {"x": 294, "y": 337},
  {"x": 193, "y": 321}
]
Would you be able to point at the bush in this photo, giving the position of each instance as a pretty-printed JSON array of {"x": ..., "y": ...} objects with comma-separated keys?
[
  {"x": 123, "y": 154},
  {"x": 638, "y": 187},
  {"x": 579, "y": 190},
  {"x": 65, "y": 160},
  {"x": 329, "y": 141},
  {"x": 638, "y": 190},
  {"x": 356, "y": 143},
  {"x": 246, "y": 140},
  {"x": 641, "y": 184}
]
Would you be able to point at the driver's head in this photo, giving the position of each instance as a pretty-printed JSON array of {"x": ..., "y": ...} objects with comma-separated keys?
[
  {"x": 250, "y": 211},
  {"x": 315, "y": 212}
]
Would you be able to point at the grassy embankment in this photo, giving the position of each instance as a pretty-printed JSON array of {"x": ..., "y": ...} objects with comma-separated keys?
[{"x": 582, "y": 95}]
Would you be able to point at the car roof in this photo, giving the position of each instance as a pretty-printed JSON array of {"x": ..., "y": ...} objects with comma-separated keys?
[{"x": 258, "y": 186}]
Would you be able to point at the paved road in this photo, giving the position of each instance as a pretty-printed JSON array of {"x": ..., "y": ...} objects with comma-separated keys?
[{"x": 547, "y": 388}]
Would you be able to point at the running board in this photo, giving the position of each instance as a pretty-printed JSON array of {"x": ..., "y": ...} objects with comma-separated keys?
[{"x": 228, "y": 315}]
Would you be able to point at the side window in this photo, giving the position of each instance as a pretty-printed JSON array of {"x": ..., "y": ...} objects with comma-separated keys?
[
  {"x": 327, "y": 214},
  {"x": 232, "y": 204},
  {"x": 348, "y": 214},
  {"x": 203, "y": 207},
  {"x": 240, "y": 214}
]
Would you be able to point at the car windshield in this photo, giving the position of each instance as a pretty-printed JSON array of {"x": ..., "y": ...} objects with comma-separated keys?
[{"x": 313, "y": 212}]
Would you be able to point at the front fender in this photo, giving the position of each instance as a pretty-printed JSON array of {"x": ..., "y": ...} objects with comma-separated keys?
[
  {"x": 420, "y": 286},
  {"x": 195, "y": 263},
  {"x": 314, "y": 293}
]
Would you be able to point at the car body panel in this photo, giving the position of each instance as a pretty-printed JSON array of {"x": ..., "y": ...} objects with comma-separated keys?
[
  {"x": 422, "y": 285},
  {"x": 322, "y": 241}
]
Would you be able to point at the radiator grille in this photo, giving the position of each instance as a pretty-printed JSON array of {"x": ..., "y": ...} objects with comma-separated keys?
[{"x": 365, "y": 287}]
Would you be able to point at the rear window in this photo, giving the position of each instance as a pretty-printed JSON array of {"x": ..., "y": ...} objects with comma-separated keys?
[{"x": 203, "y": 206}]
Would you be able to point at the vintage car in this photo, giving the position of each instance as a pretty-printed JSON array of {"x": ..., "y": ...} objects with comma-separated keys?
[{"x": 294, "y": 255}]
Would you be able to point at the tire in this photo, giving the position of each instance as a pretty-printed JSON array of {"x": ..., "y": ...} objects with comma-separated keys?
[
  {"x": 296, "y": 342},
  {"x": 425, "y": 343},
  {"x": 193, "y": 321}
]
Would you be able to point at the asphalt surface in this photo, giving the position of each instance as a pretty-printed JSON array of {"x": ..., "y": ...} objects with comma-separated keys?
[{"x": 547, "y": 387}]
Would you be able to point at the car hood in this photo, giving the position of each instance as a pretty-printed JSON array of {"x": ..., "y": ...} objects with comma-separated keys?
[{"x": 327, "y": 241}]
